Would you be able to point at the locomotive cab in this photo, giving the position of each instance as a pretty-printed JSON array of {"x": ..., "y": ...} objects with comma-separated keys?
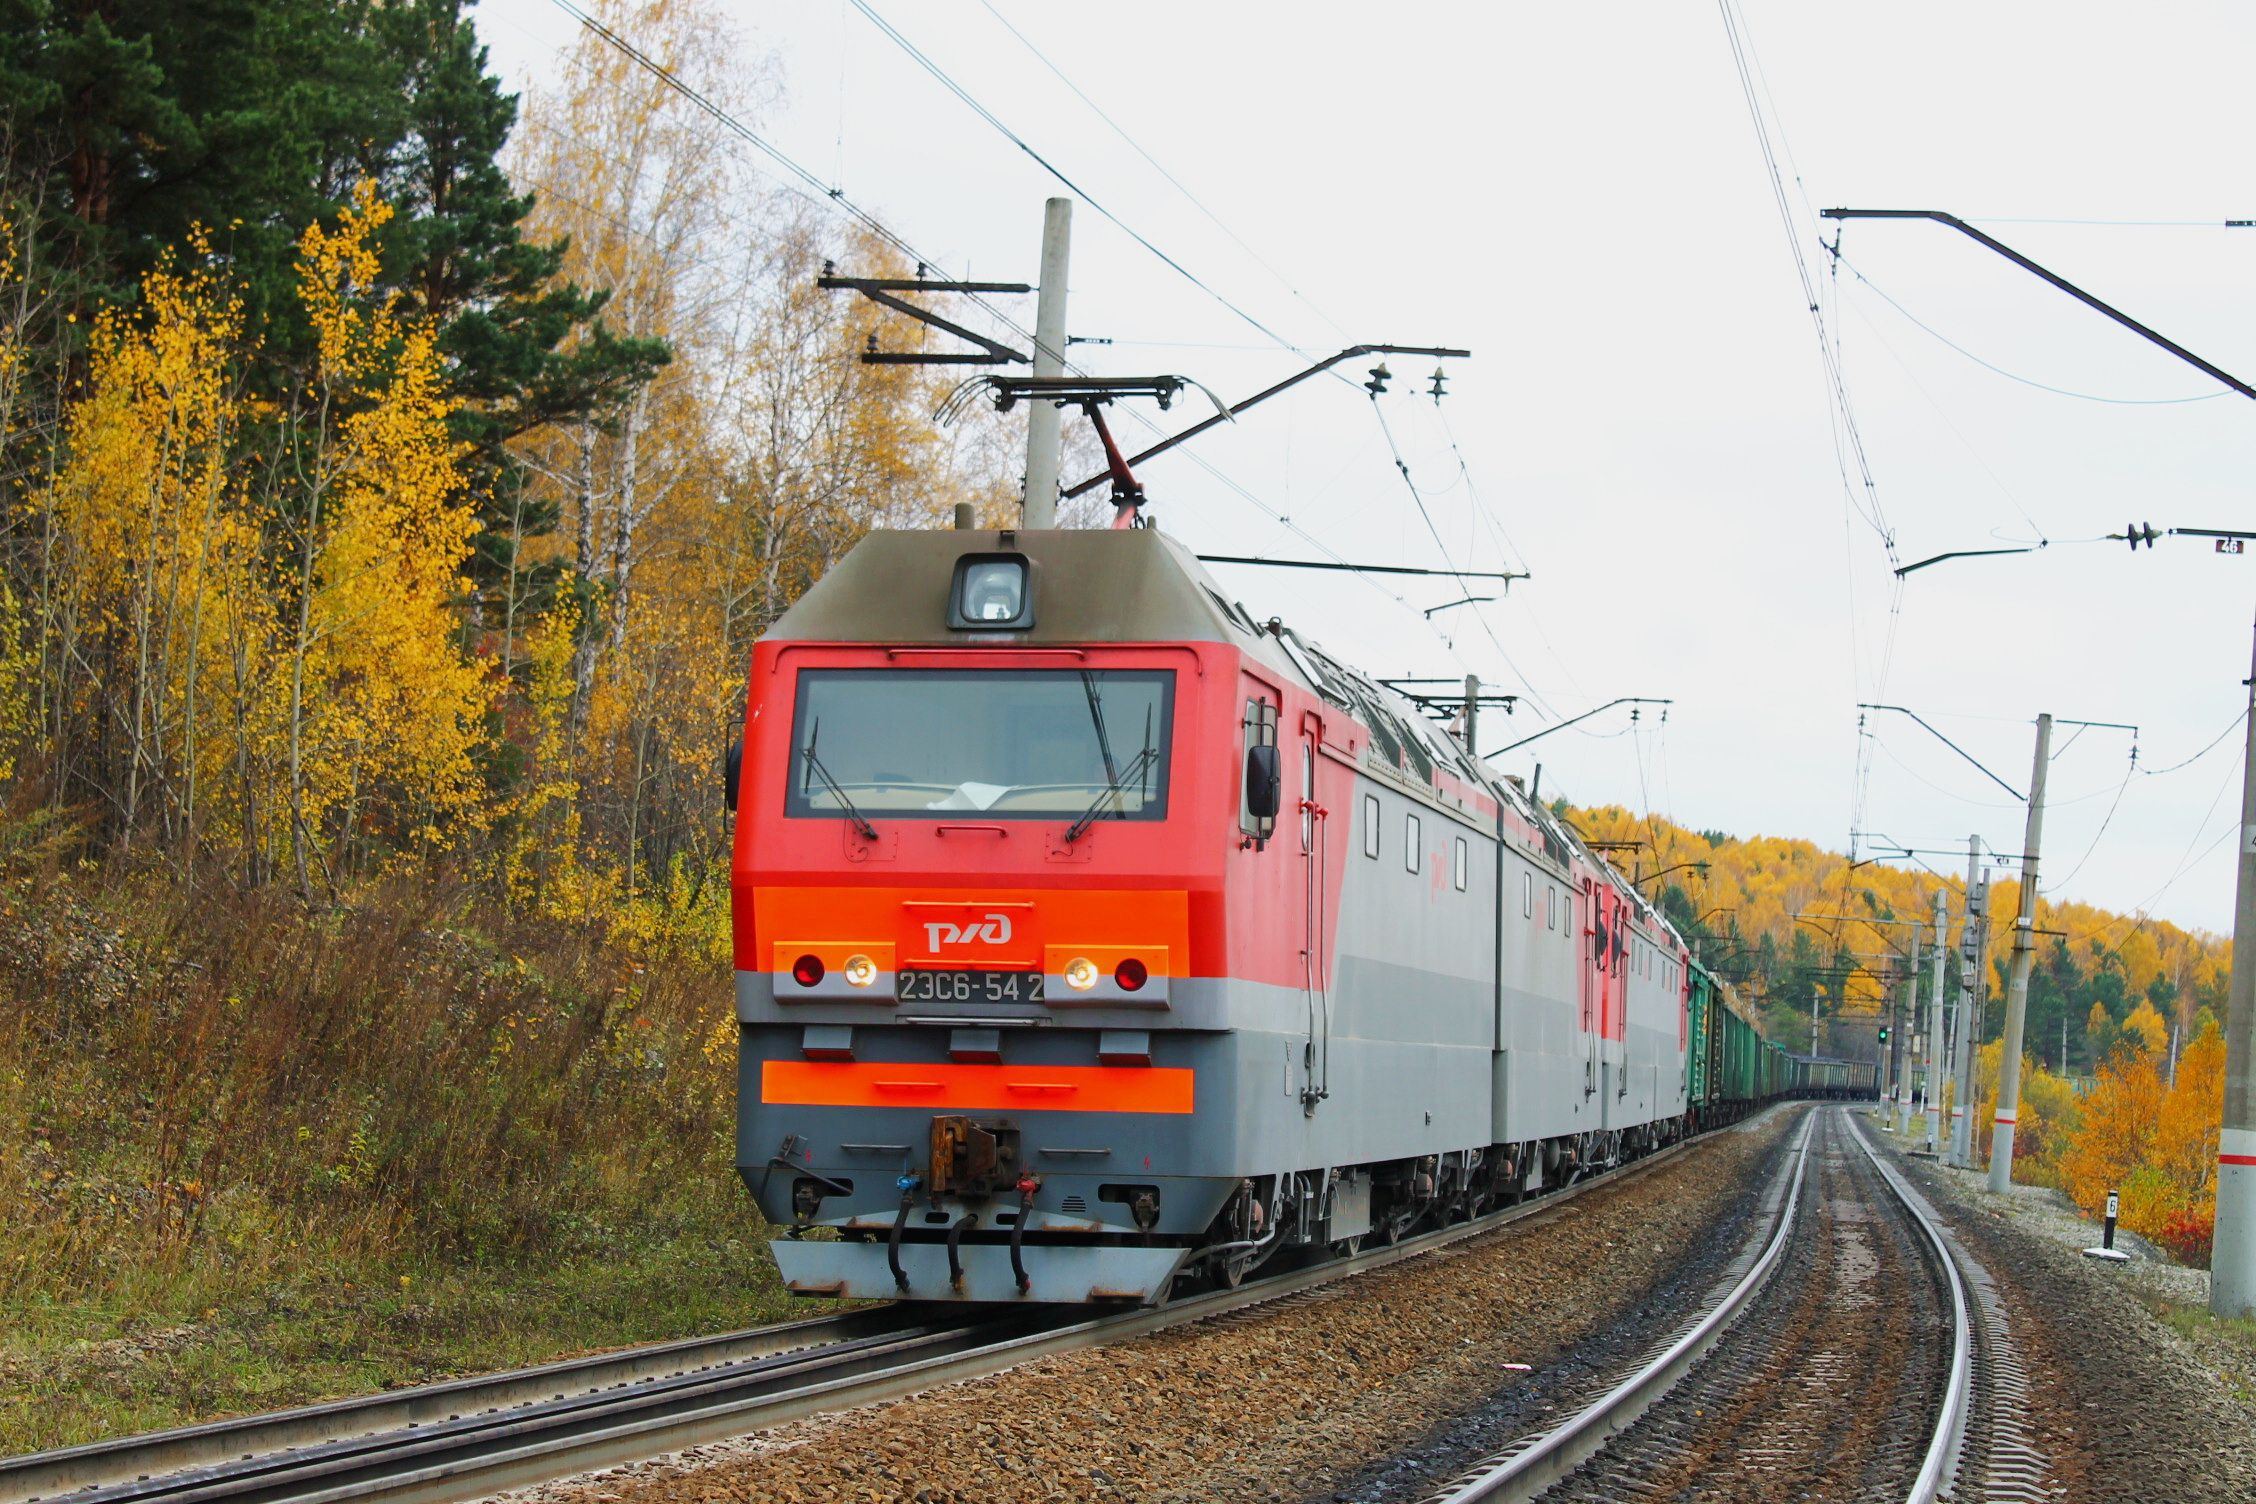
[{"x": 989, "y": 787}]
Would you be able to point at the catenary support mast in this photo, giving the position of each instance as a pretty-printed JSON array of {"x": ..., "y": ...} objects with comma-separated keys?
[
  {"x": 2017, "y": 986},
  {"x": 1973, "y": 997},
  {"x": 1043, "y": 419},
  {"x": 1934, "y": 1029},
  {"x": 2232, "y": 1277}
]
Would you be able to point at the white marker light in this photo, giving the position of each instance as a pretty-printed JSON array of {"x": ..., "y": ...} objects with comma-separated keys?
[
  {"x": 860, "y": 971},
  {"x": 1080, "y": 973}
]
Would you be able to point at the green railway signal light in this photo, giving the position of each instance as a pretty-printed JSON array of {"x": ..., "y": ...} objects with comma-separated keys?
[{"x": 1883, "y": 1033}]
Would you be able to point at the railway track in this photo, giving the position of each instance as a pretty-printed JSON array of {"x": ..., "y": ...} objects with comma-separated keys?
[
  {"x": 1847, "y": 1357},
  {"x": 444, "y": 1442}
]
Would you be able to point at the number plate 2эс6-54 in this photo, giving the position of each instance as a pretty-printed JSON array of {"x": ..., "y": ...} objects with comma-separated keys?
[{"x": 968, "y": 987}]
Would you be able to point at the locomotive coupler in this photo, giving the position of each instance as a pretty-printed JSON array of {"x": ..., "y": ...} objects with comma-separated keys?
[{"x": 972, "y": 1159}]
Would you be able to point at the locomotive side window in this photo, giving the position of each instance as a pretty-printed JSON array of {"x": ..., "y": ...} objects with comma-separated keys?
[
  {"x": 1011, "y": 744},
  {"x": 1462, "y": 865},
  {"x": 1260, "y": 728},
  {"x": 1371, "y": 825},
  {"x": 1550, "y": 907},
  {"x": 1413, "y": 848},
  {"x": 1527, "y": 895}
]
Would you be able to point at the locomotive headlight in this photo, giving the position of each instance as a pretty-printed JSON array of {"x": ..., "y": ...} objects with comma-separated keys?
[
  {"x": 1080, "y": 973},
  {"x": 993, "y": 591},
  {"x": 860, "y": 971}
]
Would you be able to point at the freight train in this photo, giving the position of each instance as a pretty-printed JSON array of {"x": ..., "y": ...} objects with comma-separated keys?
[{"x": 1094, "y": 937}]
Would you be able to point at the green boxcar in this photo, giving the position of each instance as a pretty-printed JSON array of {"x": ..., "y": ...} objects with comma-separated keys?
[{"x": 1730, "y": 1067}]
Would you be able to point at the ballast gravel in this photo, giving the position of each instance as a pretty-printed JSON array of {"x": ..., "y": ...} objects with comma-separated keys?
[
  {"x": 1281, "y": 1402},
  {"x": 2127, "y": 1408}
]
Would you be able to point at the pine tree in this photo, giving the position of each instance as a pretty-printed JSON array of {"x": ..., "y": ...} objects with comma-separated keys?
[{"x": 507, "y": 320}]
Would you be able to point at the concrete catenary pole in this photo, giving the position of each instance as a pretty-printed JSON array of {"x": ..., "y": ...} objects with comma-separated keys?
[
  {"x": 2017, "y": 985},
  {"x": 1973, "y": 996},
  {"x": 2232, "y": 1265},
  {"x": 1897, "y": 1044},
  {"x": 1935, "y": 1022},
  {"x": 1043, "y": 420},
  {"x": 1883, "y": 1035}
]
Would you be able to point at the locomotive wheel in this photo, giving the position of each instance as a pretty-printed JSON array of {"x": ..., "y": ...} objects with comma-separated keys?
[{"x": 1348, "y": 1248}]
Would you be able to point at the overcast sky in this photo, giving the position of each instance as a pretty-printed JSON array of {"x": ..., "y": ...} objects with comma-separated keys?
[{"x": 1578, "y": 195}]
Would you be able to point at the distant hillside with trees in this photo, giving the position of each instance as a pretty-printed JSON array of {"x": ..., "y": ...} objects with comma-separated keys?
[{"x": 2123, "y": 1081}]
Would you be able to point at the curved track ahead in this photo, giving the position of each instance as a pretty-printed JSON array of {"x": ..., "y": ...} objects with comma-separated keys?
[{"x": 1837, "y": 1364}]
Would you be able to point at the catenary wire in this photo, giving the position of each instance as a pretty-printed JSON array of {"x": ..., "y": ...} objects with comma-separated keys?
[
  {"x": 1991, "y": 366},
  {"x": 810, "y": 187},
  {"x": 2101, "y": 833},
  {"x": 970, "y": 101},
  {"x": 923, "y": 61},
  {"x": 1177, "y": 183}
]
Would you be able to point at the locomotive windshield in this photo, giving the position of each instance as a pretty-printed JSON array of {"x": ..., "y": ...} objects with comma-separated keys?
[{"x": 1027, "y": 744}]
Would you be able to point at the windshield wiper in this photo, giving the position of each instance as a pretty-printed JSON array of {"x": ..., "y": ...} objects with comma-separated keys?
[
  {"x": 815, "y": 766},
  {"x": 1096, "y": 714},
  {"x": 1116, "y": 784}
]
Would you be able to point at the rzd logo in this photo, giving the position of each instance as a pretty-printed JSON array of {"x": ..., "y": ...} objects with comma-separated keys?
[{"x": 995, "y": 929}]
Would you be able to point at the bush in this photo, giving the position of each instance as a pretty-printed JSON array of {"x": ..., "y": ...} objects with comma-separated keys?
[{"x": 214, "y": 1083}]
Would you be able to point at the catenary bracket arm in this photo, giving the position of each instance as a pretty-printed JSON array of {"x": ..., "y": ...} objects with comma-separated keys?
[{"x": 2066, "y": 286}]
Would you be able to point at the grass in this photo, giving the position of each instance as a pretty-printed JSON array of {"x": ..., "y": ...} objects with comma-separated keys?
[
  {"x": 2230, "y": 1340},
  {"x": 76, "y": 1371},
  {"x": 252, "y": 1156}
]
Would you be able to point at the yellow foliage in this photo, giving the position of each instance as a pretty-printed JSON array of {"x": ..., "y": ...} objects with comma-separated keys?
[
  {"x": 388, "y": 714},
  {"x": 18, "y": 673},
  {"x": 2154, "y": 1140},
  {"x": 154, "y": 561},
  {"x": 540, "y": 860},
  {"x": 277, "y": 672},
  {"x": 2146, "y": 1027},
  {"x": 2193, "y": 1110}
]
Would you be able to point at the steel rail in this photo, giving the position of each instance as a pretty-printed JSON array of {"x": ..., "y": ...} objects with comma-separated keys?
[
  {"x": 1941, "y": 1461},
  {"x": 127, "y": 1458},
  {"x": 467, "y": 1438},
  {"x": 1528, "y": 1471}
]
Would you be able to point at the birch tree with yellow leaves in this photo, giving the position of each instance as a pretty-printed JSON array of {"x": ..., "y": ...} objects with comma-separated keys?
[{"x": 385, "y": 708}]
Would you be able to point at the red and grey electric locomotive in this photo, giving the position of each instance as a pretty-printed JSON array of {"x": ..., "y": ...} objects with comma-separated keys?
[{"x": 1093, "y": 935}]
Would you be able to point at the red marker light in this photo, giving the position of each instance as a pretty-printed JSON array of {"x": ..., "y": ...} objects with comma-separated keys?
[
  {"x": 1130, "y": 974},
  {"x": 807, "y": 970}
]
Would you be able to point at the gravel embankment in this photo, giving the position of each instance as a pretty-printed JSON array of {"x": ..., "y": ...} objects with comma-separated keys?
[
  {"x": 1279, "y": 1403},
  {"x": 2126, "y": 1407}
]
